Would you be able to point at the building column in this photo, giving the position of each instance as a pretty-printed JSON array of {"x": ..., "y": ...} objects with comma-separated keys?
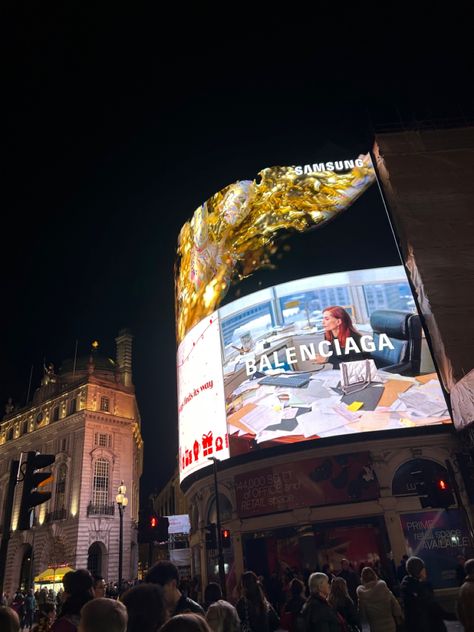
[
  {"x": 203, "y": 555},
  {"x": 238, "y": 555},
  {"x": 395, "y": 534}
]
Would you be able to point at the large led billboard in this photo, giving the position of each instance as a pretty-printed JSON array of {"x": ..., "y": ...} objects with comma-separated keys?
[{"x": 335, "y": 347}]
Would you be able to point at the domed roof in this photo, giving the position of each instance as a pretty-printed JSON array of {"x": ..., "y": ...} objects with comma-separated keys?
[{"x": 101, "y": 363}]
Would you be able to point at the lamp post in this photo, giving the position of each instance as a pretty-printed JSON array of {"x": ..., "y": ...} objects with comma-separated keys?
[
  {"x": 122, "y": 502},
  {"x": 220, "y": 553}
]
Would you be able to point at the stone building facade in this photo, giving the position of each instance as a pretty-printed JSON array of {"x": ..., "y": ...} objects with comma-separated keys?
[{"x": 87, "y": 416}]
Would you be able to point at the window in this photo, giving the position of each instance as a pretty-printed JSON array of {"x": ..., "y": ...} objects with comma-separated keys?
[
  {"x": 100, "y": 491},
  {"x": 55, "y": 415},
  {"x": 389, "y": 296},
  {"x": 24, "y": 427},
  {"x": 256, "y": 319},
  {"x": 309, "y": 306},
  {"x": 10, "y": 434},
  {"x": 60, "y": 493},
  {"x": 73, "y": 406},
  {"x": 105, "y": 404},
  {"x": 103, "y": 440},
  {"x": 63, "y": 445}
]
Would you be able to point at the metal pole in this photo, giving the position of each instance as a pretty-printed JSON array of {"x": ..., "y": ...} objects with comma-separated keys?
[
  {"x": 7, "y": 519},
  {"x": 120, "y": 549},
  {"x": 220, "y": 553},
  {"x": 461, "y": 506}
]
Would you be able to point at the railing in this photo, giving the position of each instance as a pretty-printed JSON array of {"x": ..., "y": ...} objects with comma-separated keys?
[
  {"x": 57, "y": 514},
  {"x": 100, "y": 510}
]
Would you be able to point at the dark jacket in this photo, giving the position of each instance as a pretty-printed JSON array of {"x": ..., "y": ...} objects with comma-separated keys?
[
  {"x": 352, "y": 356},
  {"x": 258, "y": 621},
  {"x": 348, "y": 612},
  {"x": 352, "y": 581},
  {"x": 185, "y": 604},
  {"x": 422, "y": 612},
  {"x": 319, "y": 616}
]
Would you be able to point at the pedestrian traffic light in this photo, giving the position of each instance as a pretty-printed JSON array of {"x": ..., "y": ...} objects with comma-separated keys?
[
  {"x": 32, "y": 480},
  {"x": 211, "y": 536},
  {"x": 159, "y": 526},
  {"x": 225, "y": 537}
]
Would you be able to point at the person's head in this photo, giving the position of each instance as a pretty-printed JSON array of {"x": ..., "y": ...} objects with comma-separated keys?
[
  {"x": 337, "y": 324},
  {"x": 9, "y": 621},
  {"x": 146, "y": 607},
  {"x": 338, "y": 593},
  {"x": 103, "y": 615},
  {"x": 416, "y": 567},
  {"x": 461, "y": 559},
  {"x": 222, "y": 617},
  {"x": 345, "y": 564},
  {"x": 166, "y": 575},
  {"x": 252, "y": 589},
  {"x": 78, "y": 587},
  {"x": 212, "y": 593},
  {"x": 296, "y": 587},
  {"x": 469, "y": 568},
  {"x": 99, "y": 586},
  {"x": 318, "y": 584},
  {"x": 368, "y": 575},
  {"x": 66, "y": 583},
  {"x": 189, "y": 622}
]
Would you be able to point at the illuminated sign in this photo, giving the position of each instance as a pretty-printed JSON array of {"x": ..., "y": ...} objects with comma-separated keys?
[{"x": 335, "y": 349}]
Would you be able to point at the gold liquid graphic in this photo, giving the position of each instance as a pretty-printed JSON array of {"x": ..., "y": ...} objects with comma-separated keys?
[{"x": 237, "y": 230}]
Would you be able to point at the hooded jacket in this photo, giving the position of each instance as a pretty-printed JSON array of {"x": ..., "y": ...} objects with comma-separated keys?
[
  {"x": 422, "y": 612},
  {"x": 465, "y": 606},
  {"x": 378, "y": 606}
]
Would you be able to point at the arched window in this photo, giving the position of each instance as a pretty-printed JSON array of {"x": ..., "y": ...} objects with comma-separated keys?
[
  {"x": 100, "y": 490},
  {"x": 94, "y": 559},
  {"x": 60, "y": 492},
  {"x": 225, "y": 509},
  {"x": 24, "y": 427},
  {"x": 10, "y": 434}
]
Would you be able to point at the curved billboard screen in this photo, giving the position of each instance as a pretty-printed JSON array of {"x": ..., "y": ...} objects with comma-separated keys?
[{"x": 294, "y": 316}]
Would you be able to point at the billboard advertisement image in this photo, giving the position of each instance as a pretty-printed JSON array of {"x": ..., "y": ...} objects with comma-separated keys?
[{"x": 337, "y": 348}]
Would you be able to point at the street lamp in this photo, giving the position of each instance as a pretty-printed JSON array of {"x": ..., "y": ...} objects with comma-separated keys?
[
  {"x": 220, "y": 552},
  {"x": 122, "y": 502}
]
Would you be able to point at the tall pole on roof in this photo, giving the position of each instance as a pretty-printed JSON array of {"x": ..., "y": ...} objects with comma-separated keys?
[{"x": 74, "y": 364}]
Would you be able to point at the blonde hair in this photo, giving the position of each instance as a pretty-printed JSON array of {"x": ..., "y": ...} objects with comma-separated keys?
[
  {"x": 222, "y": 617},
  {"x": 368, "y": 575},
  {"x": 315, "y": 581}
]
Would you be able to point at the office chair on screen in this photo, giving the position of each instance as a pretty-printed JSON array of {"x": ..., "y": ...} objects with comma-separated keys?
[{"x": 404, "y": 332}]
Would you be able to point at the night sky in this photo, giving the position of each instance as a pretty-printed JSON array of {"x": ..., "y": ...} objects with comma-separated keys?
[{"x": 112, "y": 138}]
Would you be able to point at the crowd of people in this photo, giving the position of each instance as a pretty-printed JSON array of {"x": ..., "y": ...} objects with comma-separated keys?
[{"x": 327, "y": 602}]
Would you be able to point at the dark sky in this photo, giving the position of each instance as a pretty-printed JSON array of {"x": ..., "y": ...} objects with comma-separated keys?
[{"x": 113, "y": 137}]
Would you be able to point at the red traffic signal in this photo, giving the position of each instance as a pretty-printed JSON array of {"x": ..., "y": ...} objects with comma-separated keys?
[
  {"x": 153, "y": 522},
  {"x": 442, "y": 485},
  {"x": 225, "y": 533}
]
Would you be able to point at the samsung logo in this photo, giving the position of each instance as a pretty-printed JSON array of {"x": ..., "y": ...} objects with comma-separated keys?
[{"x": 319, "y": 167}]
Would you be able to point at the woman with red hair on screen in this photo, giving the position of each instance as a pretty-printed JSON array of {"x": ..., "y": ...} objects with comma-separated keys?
[{"x": 342, "y": 338}]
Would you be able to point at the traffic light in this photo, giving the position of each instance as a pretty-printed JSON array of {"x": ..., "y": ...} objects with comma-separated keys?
[
  {"x": 442, "y": 492},
  {"x": 211, "y": 536},
  {"x": 434, "y": 491},
  {"x": 159, "y": 526},
  {"x": 225, "y": 536},
  {"x": 32, "y": 480}
]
